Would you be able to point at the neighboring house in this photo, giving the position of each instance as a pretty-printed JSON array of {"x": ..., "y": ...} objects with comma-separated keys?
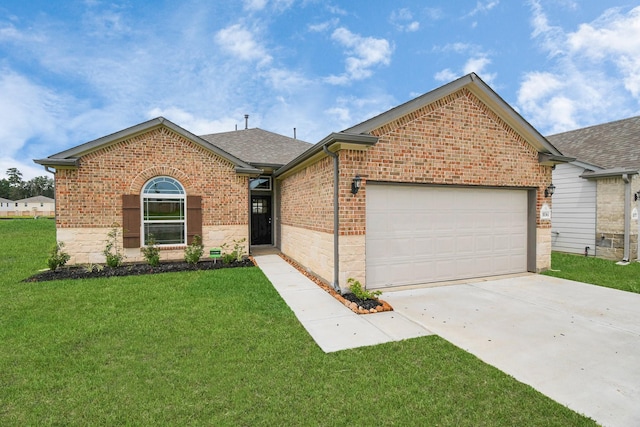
[
  {"x": 6, "y": 205},
  {"x": 31, "y": 206},
  {"x": 448, "y": 186},
  {"x": 595, "y": 208}
]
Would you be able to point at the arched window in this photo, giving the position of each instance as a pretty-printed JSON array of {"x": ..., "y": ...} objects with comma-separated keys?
[{"x": 163, "y": 211}]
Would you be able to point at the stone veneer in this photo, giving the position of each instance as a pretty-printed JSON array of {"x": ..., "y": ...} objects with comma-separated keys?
[
  {"x": 456, "y": 140},
  {"x": 85, "y": 245},
  {"x": 610, "y": 218}
]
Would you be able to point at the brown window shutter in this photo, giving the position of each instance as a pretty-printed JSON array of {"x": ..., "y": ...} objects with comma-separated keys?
[
  {"x": 194, "y": 217},
  {"x": 131, "y": 220}
]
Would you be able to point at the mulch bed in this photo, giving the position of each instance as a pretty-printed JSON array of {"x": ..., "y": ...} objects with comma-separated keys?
[
  {"x": 134, "y": 269},
  {"x": 349, "y": 300}
]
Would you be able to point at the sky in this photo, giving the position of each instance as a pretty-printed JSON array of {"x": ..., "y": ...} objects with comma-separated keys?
[{"x": 72, "y": 71}]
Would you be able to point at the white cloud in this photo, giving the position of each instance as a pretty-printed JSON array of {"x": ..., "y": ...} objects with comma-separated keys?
[
  {"x": 614, "y": 37},
  {"x": 446, "y": 75},
  {"x": 341, "y": 114},
  {"x": 540, "y": 96},
  {"x": 323, "y": 26},
  {"x": 254, "y": 5},
  {"x": 286, "y": 80},
  {"x": 478, "y": 65},
  {"x": 593, "y": 68},
  {"x": 194, "y": 124},
  {"x": 483, "y": 7},
  {"x": 9, "y": 33},
  {"x": 241, "y": 43},
  {"x": 363, "y": 53},
  {"x": 403, "y": 20},
  {"x": 336, "y": 10},
  {"x": 25, "y": 111},
  {"x": 477, "y": 62},
  {"x": 433, "y": 13}
]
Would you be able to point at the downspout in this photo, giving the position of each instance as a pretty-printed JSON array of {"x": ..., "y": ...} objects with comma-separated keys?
[
  {"x": 637, "y": 198},
  {"x": 336, "y": 218},
  {"x": 627, "y": 216}
]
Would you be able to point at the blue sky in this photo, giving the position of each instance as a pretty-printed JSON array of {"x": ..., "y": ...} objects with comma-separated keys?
[{"x": 72, "y": 71}]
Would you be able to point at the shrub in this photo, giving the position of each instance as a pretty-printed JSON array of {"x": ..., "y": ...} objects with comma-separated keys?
[
  {"x": 356, "y": 288},
  {"x": 237, "y": 254},
  {"x": 57, "y": 257},
  {"x": 151, "y": 252},
  {"x": 112, "y": 251},
  {"x": 194, "y": 251}
]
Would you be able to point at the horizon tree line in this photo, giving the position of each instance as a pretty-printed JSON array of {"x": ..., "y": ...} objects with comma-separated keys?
[{"x": 15, "y": 188}]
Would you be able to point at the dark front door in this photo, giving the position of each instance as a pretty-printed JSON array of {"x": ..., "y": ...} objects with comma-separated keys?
[{"x": 261, "y": 220}]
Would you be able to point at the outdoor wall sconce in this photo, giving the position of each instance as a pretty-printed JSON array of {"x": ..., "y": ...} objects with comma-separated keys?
[
  {"x": 355, "y": 184},
  {"x": 548, "y": 192}
]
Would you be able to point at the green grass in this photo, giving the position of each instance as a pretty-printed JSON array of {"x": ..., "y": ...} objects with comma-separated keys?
[
  {"x": 596, "y": 271},
  {"x": 219, "y": 348}
]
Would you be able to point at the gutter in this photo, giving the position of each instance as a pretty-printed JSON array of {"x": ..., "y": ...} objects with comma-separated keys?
[
  {"x": 333, "y": 138},
  {"x": 336, "y": 219}
]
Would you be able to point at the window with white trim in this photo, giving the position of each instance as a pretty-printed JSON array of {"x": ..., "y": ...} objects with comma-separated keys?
[{"x": 164, "y": 211}]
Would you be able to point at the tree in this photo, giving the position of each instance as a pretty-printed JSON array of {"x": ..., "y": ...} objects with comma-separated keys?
[
  {"x": 39, "y": 186},
  {"x": 4, "y": 188},
  {"x": 14, "y": 188}
]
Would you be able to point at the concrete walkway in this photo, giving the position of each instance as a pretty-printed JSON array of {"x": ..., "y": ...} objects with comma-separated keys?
[
  {"x": 578, "y": 344},
  {"x": 332, "y": 325}
]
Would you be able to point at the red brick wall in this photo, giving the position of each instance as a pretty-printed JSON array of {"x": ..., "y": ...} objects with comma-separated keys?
[
  {"x": 90, "y": 196},
  {"x": 456, "y": 140},
  {"x": 307, "y": 197}
]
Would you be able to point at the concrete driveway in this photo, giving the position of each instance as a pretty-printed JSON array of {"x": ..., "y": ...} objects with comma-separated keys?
[{"x": 576, "y": 343}]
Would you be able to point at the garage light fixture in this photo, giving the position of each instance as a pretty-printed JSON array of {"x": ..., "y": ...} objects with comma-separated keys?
[
  {"x": 355, "y": 184},
  {"x": 548, "y": 192}
]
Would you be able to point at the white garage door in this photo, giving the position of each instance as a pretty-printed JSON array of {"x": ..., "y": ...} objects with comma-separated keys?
[{"x": 419, "y": 234}]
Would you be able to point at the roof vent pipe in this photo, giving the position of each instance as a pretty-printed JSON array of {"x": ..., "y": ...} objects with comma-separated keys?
[
  {"x": 294, "y": 133},
  {"x": 246, "y": 121}
]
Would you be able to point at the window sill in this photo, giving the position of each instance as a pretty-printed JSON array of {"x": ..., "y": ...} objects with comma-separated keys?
[{"x": 172, "y": 247}]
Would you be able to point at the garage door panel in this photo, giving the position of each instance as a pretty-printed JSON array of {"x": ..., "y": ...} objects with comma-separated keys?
[{"x": 429, "y": 234}]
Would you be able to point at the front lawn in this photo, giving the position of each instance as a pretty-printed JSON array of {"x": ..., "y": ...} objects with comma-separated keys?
[
  {"x": 597, "y": 271},
  {"x": 219, "y": 348}
]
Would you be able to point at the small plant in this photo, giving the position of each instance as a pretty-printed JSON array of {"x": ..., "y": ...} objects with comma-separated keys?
[
  {"x": 90, "y": 268},
  {"x": 238, "y": 251},
  {"x": 112, "y": 251},
  {"x": 151, "y": 252},
  {"x": 194, "y": 251},
  {"x": 57, "y": 257},
  {"x": 356, "y": 289},
  {"x": 228, "y": 258}
]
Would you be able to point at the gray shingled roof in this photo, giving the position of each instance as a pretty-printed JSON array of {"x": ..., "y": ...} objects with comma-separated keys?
[
  {"x": 258, "y": 147},
  {"x": 609, "y": 145},
  {"x": 36, "y": 199}
]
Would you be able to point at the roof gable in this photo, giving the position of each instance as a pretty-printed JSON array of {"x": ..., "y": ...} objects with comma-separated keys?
[
  {"x": 69, "y": 158},
  {"x": 609, "y": 145},
  {"x": 482, "y": 91}
]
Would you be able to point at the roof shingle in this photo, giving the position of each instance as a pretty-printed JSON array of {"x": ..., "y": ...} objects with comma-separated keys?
[
  {"x": 609, "y": 145},
  {"x": 257, "y": 146}
]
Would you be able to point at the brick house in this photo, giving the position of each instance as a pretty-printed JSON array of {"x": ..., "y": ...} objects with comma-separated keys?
[
  {"x": 448, "y": 186},
  {"x": 596, "y": 207}
]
